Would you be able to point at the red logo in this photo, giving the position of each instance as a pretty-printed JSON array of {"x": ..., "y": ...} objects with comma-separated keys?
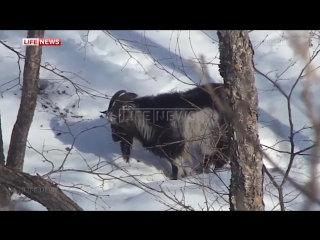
[{"x": 41, "y": 41}]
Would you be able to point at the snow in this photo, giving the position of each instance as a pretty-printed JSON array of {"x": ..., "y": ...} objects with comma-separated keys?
[{"x": 67, "y": 129}]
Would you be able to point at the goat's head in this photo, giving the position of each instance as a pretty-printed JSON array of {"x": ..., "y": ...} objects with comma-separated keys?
[
  {"x": 127, "y": 113},
  {"x": 109, "y": 114},
  {"x": 117, "y": 101}
]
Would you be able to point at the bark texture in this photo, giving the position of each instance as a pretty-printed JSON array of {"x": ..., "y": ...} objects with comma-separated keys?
[
  {"x": 38, "y": 189},
  {"x": 2, "y": 158},
  {"x": 5, "y": 194},
  {"x": 236, "y": 68},
  {"x": 28, "y": 103}
]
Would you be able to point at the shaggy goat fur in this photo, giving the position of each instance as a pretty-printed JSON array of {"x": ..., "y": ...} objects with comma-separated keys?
[{"x": 170, "y": 124}]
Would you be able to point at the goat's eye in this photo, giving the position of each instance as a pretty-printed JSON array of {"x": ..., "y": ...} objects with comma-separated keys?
[{"x": 112, "y": 118}]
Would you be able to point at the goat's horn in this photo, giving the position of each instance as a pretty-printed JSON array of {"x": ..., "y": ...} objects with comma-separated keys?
[{"x": 115, "y": 96}]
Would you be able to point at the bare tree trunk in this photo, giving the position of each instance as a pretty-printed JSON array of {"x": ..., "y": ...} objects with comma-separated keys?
[
  {"x": 28, "y": 103},
  {"x": 38, "y": 189},
  {"x": 5, "y": 194},
  {"x": 236, "y": 68},
  {"x": 11, "y": 176},
  {"x": 2, "y": 157}
]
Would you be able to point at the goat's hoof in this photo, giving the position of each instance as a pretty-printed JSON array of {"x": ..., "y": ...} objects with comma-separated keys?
[{"x": 126, "y": 158}]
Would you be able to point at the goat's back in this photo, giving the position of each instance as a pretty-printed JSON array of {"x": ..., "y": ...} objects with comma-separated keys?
[
  {"x": 198, "y": 97},
  {"x": 181, "y": 116}
]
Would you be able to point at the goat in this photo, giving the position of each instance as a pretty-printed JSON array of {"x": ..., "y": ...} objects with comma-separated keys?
[
  {"x": 118, "y": 133},
  {"x": 169, "y": 124}
]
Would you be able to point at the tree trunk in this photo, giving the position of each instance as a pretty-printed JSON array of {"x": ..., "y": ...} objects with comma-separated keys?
[
  {"x": 2, "y": 157},
  {"x": 11, "y": 176},
  {"x": 5, "y": 194},
  {"x": 38, "y": 189},
  {"x": 28, "y": 103},
  {"x": 236, "y": 68}
]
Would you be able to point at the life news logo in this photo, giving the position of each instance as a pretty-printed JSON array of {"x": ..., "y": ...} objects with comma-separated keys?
[{"x": 41, "y": 42}]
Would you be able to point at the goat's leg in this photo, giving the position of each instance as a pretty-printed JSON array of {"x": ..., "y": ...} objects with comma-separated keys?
[
  {"x": 220, "y": 157},
  {"x": 125, "y": 145},
  {"x": 177, "y": 170},
  {"x": 213, "y": 160},
  {"x": 207, "y": 161},
  {"x": 220, "y": 163},
  {"x": 174, "y": 172},
  {"x": 125, "y": 150}
]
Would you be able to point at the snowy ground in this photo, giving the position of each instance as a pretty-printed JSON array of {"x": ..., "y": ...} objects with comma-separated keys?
[{"x": 69, "y": 131}]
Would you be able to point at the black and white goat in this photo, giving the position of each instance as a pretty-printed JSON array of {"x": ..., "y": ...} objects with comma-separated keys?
[
  {"x": 169, "y": 124},
  {"x": 119, "y": 134}
]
